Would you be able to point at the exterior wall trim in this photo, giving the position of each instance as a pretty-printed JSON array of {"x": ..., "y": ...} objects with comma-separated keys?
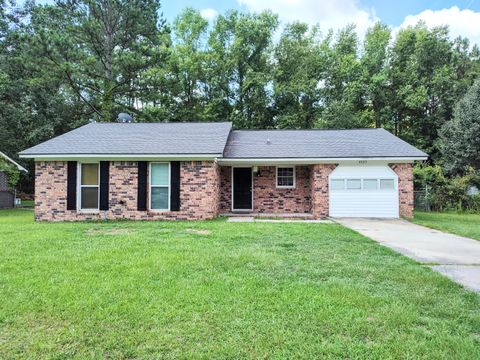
[
  {"x": 120, "y": 157},
  {"x": 312, "y": 161},
  {"x": 294, "y": 177},
  {"x": 150, "y": 185}
]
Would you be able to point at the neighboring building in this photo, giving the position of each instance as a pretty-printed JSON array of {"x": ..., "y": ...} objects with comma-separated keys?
[
  {"x": 154, "y": 171},
  {"x": 7, "y": 195}
]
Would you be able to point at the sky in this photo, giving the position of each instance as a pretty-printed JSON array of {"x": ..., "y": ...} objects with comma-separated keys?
[{"x": 462, "y": 16}]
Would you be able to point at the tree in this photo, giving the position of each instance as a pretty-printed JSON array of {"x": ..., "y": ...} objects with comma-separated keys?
[
  {"x": 187, "y": 64},
  {"x": 426, "y": 80},
  {"x": 242, "y": 45},
  {"x": 375, "y": 74},
  {"x": 460, "y": 136},
  {"x": 300, "y": 66},
  {"x": 101, "y": 48},
  {"x": 342, "y": 92}
]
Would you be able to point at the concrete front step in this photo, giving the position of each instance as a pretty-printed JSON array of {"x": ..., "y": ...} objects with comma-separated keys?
[{"x": 275, "y": 216}]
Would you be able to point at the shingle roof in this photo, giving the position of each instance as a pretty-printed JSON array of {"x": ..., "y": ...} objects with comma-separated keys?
[
  {"x": 138, "y": 138},
  {"x": 216, "y": 138},
  {"x": 317, "y": 144}
]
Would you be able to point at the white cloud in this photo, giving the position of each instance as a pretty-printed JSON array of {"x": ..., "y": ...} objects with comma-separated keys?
[
  {"x": 327, "y": 13},
  {"x": 465, "y": 23},
  {"x": 209, "y": 14}
]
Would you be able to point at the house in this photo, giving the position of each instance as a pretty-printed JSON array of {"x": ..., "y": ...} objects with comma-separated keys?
[
  {"x": 156, "y": 171},
  {"x": 7, "y": 194}
]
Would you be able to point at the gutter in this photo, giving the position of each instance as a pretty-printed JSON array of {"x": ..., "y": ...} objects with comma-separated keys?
[
  {"x": 119, "y": 157},
  {"x": 308, "y": 161}
]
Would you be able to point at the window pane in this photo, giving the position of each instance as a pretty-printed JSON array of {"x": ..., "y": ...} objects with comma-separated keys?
[
  {"x": 285, "y": 176},
  {"x": 159, "y": 198},
  {"x": 354, "y": 184},
  {"x": 337, "y": 184},
  {"x": 159, "y": 174},
  {"x": 89, "y": 198},
  {"x": 89, "y": 174},
  {"x": 386, "y": 184},
  {"x": 370, "y": 184}
]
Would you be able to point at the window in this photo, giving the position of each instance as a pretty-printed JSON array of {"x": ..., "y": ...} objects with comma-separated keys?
[
  {"x": 285, "y": 177},
  {"x": 337, "y": 184},
  {"x": 89, "y": 186},
  {"x": 387, "y": 184},
  {"x": 354, "y": 184},
  {"x": 370, "y": 184},
  {"x": 159, "y": 186},
  {"x": 362, "y": 184}
]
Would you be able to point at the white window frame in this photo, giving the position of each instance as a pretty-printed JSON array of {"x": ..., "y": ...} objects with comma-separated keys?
[
  {"x": 340, "y": 179},
  {"x": 354, "y": 189},
  {"x": 80, "y": 186},
  {"x": 150, "y": 186},
  {"x": 294, "y": 177},
  {"x": 383, "y": 178},
  {"x": 362, "y": 186},
  {"x": 376, "y": 180}
]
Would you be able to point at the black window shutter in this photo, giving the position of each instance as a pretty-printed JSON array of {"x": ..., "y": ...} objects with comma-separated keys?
[
  {"x": 142, "y": 186},
  {"x": 104, "y": 184},
  {"x": 175, "y": 186},
  {"x": 72, "y": 185}
]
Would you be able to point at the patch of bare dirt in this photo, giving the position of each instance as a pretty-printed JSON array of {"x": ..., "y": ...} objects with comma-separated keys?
[
  {"x": 101, "y": 231},
  {"x": 199, "y": 231}
]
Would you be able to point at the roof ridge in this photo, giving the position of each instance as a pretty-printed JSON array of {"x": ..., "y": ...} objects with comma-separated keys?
[
  {"x": 259, "y": 130},
  {"x": 161, "y": 122}
]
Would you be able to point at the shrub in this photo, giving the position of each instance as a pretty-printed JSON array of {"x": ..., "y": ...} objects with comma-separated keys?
[
  {"x": 13, "y": 174},
  {"x": 448, "y": 193}
]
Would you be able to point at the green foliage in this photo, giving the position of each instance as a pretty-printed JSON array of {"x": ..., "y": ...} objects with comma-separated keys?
[
  {"x": 13, "y": 174},
  {"x": 64, "y": 63},
  {"x": 460, "y": 137},
  {"x": 100, "y": 48},
  {"x": 448, "y": 193}
]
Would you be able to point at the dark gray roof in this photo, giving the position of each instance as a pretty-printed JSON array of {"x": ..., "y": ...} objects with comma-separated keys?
[
  {"x": 138, "y": 138},
  {"x": 211, "y": 138},
  {"x": 317, "y": 144}
]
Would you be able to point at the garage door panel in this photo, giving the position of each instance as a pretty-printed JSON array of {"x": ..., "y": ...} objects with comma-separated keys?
[{"x": 366, "y": 202}]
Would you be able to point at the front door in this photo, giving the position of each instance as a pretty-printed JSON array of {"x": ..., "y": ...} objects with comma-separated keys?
[{"x": 242, "y": 189}]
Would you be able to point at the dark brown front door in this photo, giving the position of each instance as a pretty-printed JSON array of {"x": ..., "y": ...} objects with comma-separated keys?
[{"x": 242, "y": 188}]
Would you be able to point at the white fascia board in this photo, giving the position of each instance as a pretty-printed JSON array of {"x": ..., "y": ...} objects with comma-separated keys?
[
  {"x": 120, "y": 157},
  {"x": 308, "y": 161},
  {"x": 19, "y": 167}
]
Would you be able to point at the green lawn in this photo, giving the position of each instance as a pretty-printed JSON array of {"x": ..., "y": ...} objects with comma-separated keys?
[
  {"x": 221, "y": 290},
  {"x": 461, "y": 224}
]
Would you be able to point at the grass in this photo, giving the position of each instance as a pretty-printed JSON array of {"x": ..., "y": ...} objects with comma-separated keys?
[
  {"x": 27, "y": 204},
  {"x": 456, "y": 223},
  {"x": 221, "y": 290}
]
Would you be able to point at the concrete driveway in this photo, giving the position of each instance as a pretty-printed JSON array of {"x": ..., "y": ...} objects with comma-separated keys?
[{"x": 454, "y": 256}]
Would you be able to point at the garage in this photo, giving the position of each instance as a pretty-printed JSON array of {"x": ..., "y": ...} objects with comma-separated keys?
[{"x": 363, "y": 191}]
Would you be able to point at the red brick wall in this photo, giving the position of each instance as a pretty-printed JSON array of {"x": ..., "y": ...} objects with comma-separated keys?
[
  {"x": 225, "y": 189},
  {"x": 267, "y": 198},
  {"x": 50, "y": 190},
  {"x": 405, "y": 188},
  {"x": 319, "y": 188},
  {"x": 199, "y": 193}
]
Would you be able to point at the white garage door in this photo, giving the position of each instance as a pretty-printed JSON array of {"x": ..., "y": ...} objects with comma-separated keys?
[{"x": 363, "y": 191}]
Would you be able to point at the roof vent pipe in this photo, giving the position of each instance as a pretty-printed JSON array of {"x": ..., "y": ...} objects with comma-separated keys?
[{"x": 124, "y": 118}]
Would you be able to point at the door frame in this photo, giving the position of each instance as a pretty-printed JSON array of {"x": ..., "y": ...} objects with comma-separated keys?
[{"x": 233, "y": 185}]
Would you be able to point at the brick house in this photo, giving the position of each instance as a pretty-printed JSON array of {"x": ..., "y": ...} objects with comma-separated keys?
[
  {"x": 187, "y": 171},
  {"x": 7, "y": 194}
]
